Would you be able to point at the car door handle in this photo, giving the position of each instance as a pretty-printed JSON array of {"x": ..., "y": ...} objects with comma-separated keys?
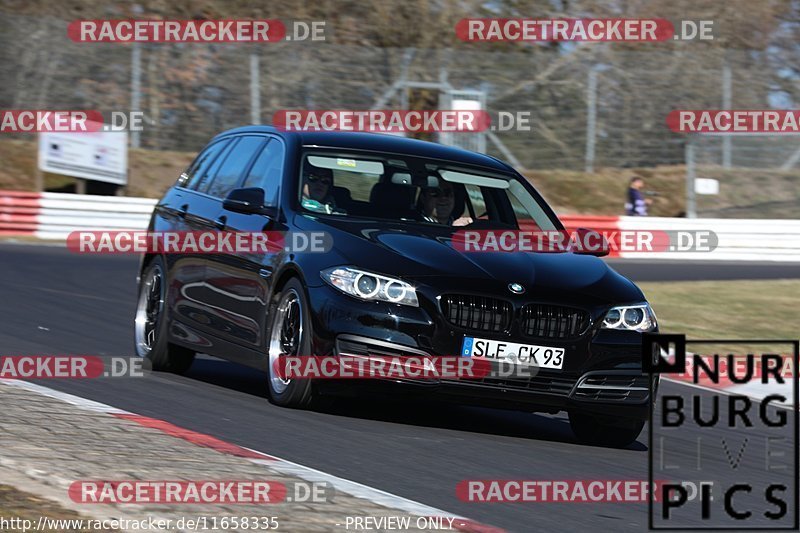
[
  {"x": 221, "y": 223},
  {"x": 183, "y": 210}
]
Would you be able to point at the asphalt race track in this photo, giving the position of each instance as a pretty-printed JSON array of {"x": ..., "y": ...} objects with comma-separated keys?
[
  {"x": 644, "y": 270},
  {"x": 56, "y": 302}
]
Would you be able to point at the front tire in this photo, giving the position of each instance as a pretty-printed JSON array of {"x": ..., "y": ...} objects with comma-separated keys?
[
  {"x": 290, "y": 335},
  {"x": 150, "y": 325},
  {"x": 598, "y": 431}
]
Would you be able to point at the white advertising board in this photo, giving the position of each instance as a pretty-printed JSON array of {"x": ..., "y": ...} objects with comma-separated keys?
[{"x": 100, "y": 156}]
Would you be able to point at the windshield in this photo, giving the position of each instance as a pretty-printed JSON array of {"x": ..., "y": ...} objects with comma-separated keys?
[{"x": 418, "y": 191}]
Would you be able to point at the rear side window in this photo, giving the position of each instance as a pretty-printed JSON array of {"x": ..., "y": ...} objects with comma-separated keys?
[
  {"x": 203, "y": 163},
  {"x": 230, "y": 173},
  {"x": 267, "y": 171},
  {"x": 202, "y": 182}
]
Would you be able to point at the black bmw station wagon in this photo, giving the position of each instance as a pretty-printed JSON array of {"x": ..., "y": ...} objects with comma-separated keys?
[{"x": 391, "y": 283}]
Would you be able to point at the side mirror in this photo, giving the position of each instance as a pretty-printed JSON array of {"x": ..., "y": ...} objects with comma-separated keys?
[
  {"x": 585, "y": 241},
  {"x": 248, "y": 201}
]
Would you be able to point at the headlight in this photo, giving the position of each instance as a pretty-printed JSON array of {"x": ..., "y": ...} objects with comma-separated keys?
[
  {"x": 370, "y": 286},
  {"x": 638, "y": 317}
]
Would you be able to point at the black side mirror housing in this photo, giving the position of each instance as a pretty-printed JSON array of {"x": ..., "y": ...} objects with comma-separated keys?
[
  {"x": 590, "y": 242},
  {"x": 248, "y": 201}
]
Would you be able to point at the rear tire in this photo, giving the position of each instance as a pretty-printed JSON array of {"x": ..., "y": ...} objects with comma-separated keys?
[
  {"x": 150, "y": 325},
  {"x": 599, "y": 432},
  {"x": 291, "y": 335}
]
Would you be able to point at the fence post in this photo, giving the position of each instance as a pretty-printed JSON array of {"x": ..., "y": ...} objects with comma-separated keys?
[
  {"x": 691, "y": 204},
  {"x": 136, "y": 88},
  {"x": 726, "y": 104},
  {"x": 255, "y": 90},
  {"x": 591, "y": 119}
]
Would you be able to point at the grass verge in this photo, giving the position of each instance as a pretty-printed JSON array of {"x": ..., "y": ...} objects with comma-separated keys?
[{"x": 746, "y": 309}]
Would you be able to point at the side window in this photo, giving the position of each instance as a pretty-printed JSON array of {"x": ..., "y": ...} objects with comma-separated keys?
[
  {"x": 202, "y": 163},
  {"x": 521, "y": 214},
  {"x": 201, "y": 183},
  {"x": 229, "y": 174},
  {"x": 527, "y": 210},
  {"x": 267, "y": 171},
  {"x": 475, "y": 197}
]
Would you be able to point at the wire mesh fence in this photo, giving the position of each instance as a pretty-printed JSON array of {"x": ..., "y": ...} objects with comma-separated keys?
[
  {"x": 591, "y": 105},
  {"x": 759, "y": 176}
]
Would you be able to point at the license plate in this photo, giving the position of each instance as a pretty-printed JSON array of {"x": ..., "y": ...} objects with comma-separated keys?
[{"x": 512, "y": 352}]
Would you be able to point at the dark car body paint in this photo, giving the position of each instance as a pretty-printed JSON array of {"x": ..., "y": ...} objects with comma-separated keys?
[{"x": 220, "y": 305}]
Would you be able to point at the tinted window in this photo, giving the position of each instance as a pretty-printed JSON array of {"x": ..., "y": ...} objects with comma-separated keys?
[
  {"x": 416, "y": 191},
  {"x": 359, "y": 185},
  {"x": 267, "y": 171},
  {"x": 227, "y": 177},
  {"x": 476, "y": 199},
  {"x": 202, "y": 163},
  {"x": 204, "y": 178}
]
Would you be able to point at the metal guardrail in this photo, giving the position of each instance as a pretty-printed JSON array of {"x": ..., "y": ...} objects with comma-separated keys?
[
  {"x": 738, "y": 239},
  {"x": 54, "y": 216}
]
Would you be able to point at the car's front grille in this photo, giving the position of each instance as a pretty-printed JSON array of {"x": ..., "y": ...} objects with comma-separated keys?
[
  {"x": 478, "y": 313},
  {"x": 552, "y": 321}
]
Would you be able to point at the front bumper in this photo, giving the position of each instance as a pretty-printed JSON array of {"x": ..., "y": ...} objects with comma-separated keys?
[{"x": 601, "y": 373}]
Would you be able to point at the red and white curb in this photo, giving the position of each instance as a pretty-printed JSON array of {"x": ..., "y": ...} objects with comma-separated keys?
[{"x": 353, "y": 488}]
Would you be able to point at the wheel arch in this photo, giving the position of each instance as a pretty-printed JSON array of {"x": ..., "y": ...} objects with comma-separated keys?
[
  {"x": 144, "y": 262},
  {"x": 287, "y": 272}
]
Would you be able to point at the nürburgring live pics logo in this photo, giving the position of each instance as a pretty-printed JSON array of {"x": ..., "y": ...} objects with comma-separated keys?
[{"x": 725, "y": 448}]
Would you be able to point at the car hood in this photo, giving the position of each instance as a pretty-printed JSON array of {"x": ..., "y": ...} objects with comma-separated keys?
[{"x": 421, "y": 253}]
